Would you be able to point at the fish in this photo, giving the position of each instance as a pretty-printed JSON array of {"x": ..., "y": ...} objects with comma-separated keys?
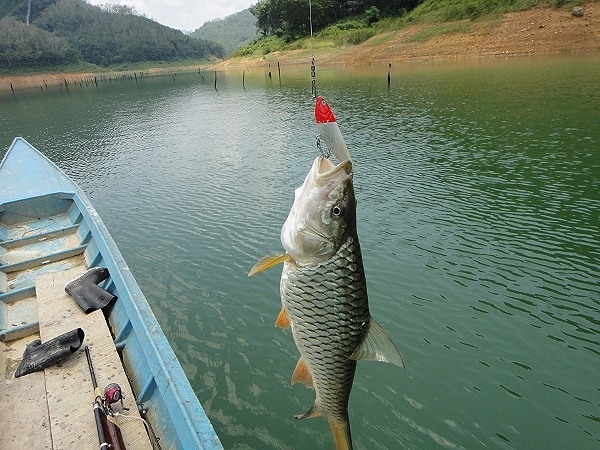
[
  {"x": 329, "y": 130},
  {"x": 323, "y": 293}
]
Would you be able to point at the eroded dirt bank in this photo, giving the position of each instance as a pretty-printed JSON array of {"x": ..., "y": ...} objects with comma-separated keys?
[{"x": 540, "y": 31}]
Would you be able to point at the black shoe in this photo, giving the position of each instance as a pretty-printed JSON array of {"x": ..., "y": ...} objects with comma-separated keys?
[
  {"x": 38, "y": 356},
  {"x": 86, "y": 292}
]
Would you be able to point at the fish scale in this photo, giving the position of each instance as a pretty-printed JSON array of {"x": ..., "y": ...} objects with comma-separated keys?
[{"x": 321, "y": 298}]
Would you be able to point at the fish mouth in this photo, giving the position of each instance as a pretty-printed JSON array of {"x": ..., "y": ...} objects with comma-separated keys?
[{"x": 324, "y": 169}]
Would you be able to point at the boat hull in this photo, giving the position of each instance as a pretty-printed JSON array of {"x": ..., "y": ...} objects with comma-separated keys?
[{"x": 47, "y": 224}]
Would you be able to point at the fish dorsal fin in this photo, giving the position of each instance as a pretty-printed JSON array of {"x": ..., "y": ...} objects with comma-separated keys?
[
  {"x": 302, "y": 374},
  {"x": 283, "y": 320},
  {"x": 269, "y": 261},
  {"x": 377, "y": 346}
]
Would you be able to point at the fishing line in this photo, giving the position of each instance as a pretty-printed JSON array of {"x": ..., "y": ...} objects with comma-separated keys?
[
  {"x": 313, "y": 68},
  {"x": 149, "y": 429}
]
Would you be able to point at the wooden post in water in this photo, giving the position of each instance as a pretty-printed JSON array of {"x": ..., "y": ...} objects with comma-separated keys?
[
  {"x": 244, "y": 79},
  {"x": 216, "y": 81},
  {"x": 12, "y": 89},
  {"x": 279, "y": 72},
  {"x": 389, "y": 77}
]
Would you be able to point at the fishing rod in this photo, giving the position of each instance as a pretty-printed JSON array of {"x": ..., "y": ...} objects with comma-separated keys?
[{"x": 109, "y": 434}]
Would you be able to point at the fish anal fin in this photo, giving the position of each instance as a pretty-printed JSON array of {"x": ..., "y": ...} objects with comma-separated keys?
[
  {"x": 341, "y": 434},
  {"x": 283, "y": 320},
  {"x": 310, "y": 414},
  {"x": 302, "y": 374},
  {"x": 267, "y": 262},
  {"x": 377, "y": 346}
]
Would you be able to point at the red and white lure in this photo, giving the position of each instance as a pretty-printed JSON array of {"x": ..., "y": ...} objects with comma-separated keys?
[{"x": 329, "y": 131}]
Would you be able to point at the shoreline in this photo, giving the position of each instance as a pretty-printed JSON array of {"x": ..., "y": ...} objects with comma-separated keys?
[
  {"x": 538, "y": 31},
  {"x": 39, "y": 80}
]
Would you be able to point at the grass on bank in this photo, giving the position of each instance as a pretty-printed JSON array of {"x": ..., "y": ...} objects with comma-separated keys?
[
  {"x": 452, "y": 10},
  {"x": 444, "y": 17}
]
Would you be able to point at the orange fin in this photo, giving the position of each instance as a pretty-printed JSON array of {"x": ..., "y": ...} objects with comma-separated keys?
[
  {"x": 302, "y": 374},
  {"x": 341, "y": 434},
  {"x": 267, "y": 262},
  {"x": 283, "y": 320}
]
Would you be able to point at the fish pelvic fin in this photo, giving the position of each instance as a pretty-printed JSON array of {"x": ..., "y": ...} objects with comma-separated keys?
[
  {"x": 303, "y": 375},
  {"x": 341, "y": 434},
  {"x": 269, "y": 261},
  {"x": 283, "y": 320},
  {"x": 377, "y": 346}
]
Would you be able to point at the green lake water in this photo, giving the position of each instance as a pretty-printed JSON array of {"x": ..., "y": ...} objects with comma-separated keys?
[{"x": 478, "y": 190}]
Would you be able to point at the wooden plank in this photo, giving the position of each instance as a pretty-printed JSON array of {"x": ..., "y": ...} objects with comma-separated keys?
[
  {"x": 11, "y": 354},
  {"x": 24, "y": 413},
  {"x": 68, "y": 384}
]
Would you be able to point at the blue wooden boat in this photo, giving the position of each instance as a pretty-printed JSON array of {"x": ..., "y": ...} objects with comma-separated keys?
[{"x": 47, "y": 225}]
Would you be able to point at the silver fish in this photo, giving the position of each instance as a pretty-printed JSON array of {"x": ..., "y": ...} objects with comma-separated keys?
[{"x": 324, "y": 294}]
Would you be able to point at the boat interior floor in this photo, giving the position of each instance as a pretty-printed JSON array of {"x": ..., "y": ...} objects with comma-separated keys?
[{"x": 53, "y": 408}]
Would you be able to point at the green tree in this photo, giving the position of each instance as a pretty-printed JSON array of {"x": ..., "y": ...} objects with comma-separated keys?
[
  {"x": 290, "y": 18},
  {"x": 22, "y": 46}
]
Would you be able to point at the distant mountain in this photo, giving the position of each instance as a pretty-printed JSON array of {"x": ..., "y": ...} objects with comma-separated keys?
[
  {"x": 72, "y": 31},
  {"x": 231, "y": 32}
]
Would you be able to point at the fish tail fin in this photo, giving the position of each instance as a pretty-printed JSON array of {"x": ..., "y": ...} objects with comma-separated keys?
[
  {"x": 341, "y": 434},
  {"x": 340, "y": 428}
]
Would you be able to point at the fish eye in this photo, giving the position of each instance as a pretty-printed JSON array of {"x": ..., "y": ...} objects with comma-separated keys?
[{"x": 337, "y": 211}]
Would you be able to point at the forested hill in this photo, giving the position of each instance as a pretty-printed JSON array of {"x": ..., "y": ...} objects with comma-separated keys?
[
  {"x": 232, "y": 31},
  {"x": 62, "y": 32}
]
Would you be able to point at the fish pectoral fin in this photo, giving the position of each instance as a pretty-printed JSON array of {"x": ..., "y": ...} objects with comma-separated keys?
[
  {"x": 302, "y": 374},
  {"x": 283, "y": 320},
  {"x": 269, "y": 261},
  {"x": 377, "y": 346}
]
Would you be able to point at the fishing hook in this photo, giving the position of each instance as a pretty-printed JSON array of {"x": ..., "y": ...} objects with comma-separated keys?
[{"x": 326, "y": 153}]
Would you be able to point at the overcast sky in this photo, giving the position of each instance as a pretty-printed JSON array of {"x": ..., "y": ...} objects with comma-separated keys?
[{"x": 182, "y": 14}]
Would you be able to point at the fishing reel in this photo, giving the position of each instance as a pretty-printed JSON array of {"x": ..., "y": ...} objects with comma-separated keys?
[{"x": 112, "y": 394}]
